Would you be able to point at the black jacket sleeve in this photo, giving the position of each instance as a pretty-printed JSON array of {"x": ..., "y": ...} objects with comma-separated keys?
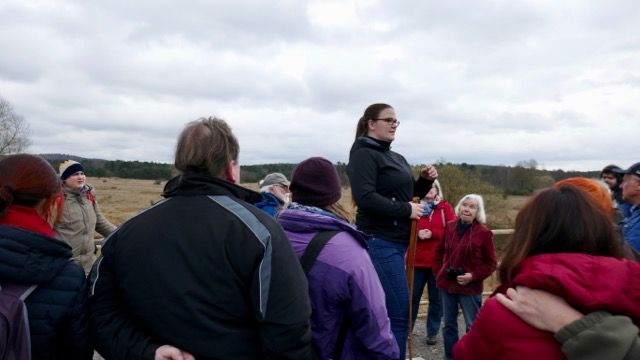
[
  {"x": 114, "y": 332},
  {"x": 363, "y": 172}
]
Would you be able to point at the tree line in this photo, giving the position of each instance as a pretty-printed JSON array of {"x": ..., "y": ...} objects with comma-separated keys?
[{"x": 522, "y": 179}]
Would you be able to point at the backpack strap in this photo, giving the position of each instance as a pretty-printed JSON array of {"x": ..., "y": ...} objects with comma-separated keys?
[
  {"x": 314, "y": 248},
  {"x": 19, "y": 291}
]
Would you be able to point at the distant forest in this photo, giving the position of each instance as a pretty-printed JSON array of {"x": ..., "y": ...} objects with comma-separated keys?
[{"x": 522, "y": 179}]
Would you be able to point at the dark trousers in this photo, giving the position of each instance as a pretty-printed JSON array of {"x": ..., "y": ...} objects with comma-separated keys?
[
  {"x": 470, "y": 305},
  {"x": 422, "y": 277}
]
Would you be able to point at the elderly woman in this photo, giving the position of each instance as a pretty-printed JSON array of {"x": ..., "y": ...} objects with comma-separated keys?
[
  {"x": 563, "y": 243},
  {"x": 81, "y": 216},
  {"x": 29, "y": 189},
  {"x": 464, "y": 258},
  {"x": 382, "y": 186}
]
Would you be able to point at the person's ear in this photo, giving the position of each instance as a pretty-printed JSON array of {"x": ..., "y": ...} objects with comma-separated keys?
[{"x": 230, "y": 173}]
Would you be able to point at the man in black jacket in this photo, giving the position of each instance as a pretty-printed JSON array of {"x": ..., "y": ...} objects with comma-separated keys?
[{"x": 203, "y": 272}]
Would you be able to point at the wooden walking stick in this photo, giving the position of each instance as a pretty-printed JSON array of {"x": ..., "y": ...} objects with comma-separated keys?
[{"x": 411, "y": 255}]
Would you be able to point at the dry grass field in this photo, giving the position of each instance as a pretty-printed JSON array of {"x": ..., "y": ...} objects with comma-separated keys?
[{"x": 120, "y": 199}]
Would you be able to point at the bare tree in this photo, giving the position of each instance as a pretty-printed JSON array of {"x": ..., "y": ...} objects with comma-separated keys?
[{"x": 14, "y": 130}]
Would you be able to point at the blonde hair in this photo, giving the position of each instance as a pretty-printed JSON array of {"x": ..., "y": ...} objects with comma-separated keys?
[{"x": 340, "y": 211}]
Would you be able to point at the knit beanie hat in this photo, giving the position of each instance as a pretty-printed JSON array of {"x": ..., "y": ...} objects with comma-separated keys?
[
  {"x": 596, "y": 189},
  {"x": 69, "y": 168},
  {"x": 315, "y": 182}
]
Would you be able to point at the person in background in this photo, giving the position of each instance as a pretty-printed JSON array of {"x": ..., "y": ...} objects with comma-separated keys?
[
  {"x": 349, "y": 318},
  {"x": 382, "y": 186},
  {"x": 437, "y": 213},
  {"x": 595, "y": 336},
  {"x": 630, "y": 226},
  {"x": 275, "y": 190},
  {"x": 464, "y": 258},
  {"x": 613, "y": 178},
  {"x": 600, "y": 193},
  {"x": 81, "y": 215},
  {"x": 203, "y": 271},
  {"x": 29, "y": 255},
  {"x": 563, "y": 243}
]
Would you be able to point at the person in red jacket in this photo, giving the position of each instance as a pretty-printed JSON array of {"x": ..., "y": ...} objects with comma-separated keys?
[
  {"x": 464, "y": 258},
  {"x": 431, "y": 225},
  {"x": 564, "y": 243}
]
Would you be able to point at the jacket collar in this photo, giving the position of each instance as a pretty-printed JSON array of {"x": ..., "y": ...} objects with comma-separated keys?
[{"x": 195, "y": 184}]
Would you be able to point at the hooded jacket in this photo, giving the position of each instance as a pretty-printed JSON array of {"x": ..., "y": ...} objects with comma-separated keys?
[
  {"x": 57, "y": 307},
  {"x": 382, "y": 185},
  {"x": 205, "y": 271},
  {"x": 80, "y": 218},
  {"x": 353, "y": 297},
  {"x": 588, "y": 283}
]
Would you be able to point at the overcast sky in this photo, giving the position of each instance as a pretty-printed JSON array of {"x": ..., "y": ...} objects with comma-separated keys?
[{"x": 481, "y": 82}]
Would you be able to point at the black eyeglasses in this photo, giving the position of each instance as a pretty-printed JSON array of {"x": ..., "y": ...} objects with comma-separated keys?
[{"x": 390, "y": 121}]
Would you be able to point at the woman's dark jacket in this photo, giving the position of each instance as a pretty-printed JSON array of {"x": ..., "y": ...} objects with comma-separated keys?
[
  {"x": 192, "y": 273},
  {"x": 57, "y": 308},
  {"x": 383, "y": 185}
]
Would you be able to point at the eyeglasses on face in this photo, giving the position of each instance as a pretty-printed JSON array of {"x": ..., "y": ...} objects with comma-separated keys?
[{"x": 390, "y": 121}]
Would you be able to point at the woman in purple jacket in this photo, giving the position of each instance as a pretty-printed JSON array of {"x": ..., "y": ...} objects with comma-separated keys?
[{"x": 349, "y": 318}]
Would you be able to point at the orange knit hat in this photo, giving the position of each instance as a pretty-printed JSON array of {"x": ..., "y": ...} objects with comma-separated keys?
[{"x": 595, "y": 188}]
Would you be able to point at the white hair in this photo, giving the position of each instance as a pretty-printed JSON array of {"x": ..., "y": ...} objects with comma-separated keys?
[
  {"x": 436, "y": 184},
  {"x": 266, "y": 189},
  {"x": 481, "y": 216}
]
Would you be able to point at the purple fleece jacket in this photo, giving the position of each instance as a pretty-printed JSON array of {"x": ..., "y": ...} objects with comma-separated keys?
[{"x": 343, "y": 286}]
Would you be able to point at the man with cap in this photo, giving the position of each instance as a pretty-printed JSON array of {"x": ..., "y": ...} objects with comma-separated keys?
[
  {"x": 275, "y": 190},
  {"x": 630, "y": 226},
  {"x": 613, "y": 180},
  {"x": 81, "y": 215}
]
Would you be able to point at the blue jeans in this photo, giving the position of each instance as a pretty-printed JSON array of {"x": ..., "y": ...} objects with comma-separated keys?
[
  {"x": 422, "y": 276},
  {"x": 388, "y": 260},
  {"x": 470, "y": 305}
]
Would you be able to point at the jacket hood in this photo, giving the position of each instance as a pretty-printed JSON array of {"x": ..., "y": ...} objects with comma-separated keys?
[
  {"x": 30, "y": 258},
  {"x": 371, "y": 143},
  {"x": 192, "y": 184},
  {"x": 301, "y": 221},
  {"x": 589, "y": 283}
]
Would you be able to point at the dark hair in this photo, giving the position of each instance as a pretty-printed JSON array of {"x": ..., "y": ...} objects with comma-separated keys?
[
  {"x": 609, "y": 169},
  {"x": 26, "y": 180},
  {"x": 562, "y": 220},
  {"x": 371, "y": 112},
  {"x": 206, "y": 145}
]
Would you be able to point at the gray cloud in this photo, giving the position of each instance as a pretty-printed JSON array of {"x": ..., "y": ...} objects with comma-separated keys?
[{"x": 480, "y": 82}]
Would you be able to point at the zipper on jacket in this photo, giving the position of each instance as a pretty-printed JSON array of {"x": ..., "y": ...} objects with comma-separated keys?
[{"x": 395, "y": 221}]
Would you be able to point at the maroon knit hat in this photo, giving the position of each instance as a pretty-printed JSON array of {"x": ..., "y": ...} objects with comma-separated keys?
[{"x": 315, "y": 182}]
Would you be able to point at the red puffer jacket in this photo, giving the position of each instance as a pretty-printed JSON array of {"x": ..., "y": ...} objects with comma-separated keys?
[
  {"x": 426, "y": 249},
  {"x": 473, "y": 251},
  {"x": 588, "y": 283}
]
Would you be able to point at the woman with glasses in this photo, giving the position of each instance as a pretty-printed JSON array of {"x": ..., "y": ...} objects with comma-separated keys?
[{"x": 382, "y": 185}]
